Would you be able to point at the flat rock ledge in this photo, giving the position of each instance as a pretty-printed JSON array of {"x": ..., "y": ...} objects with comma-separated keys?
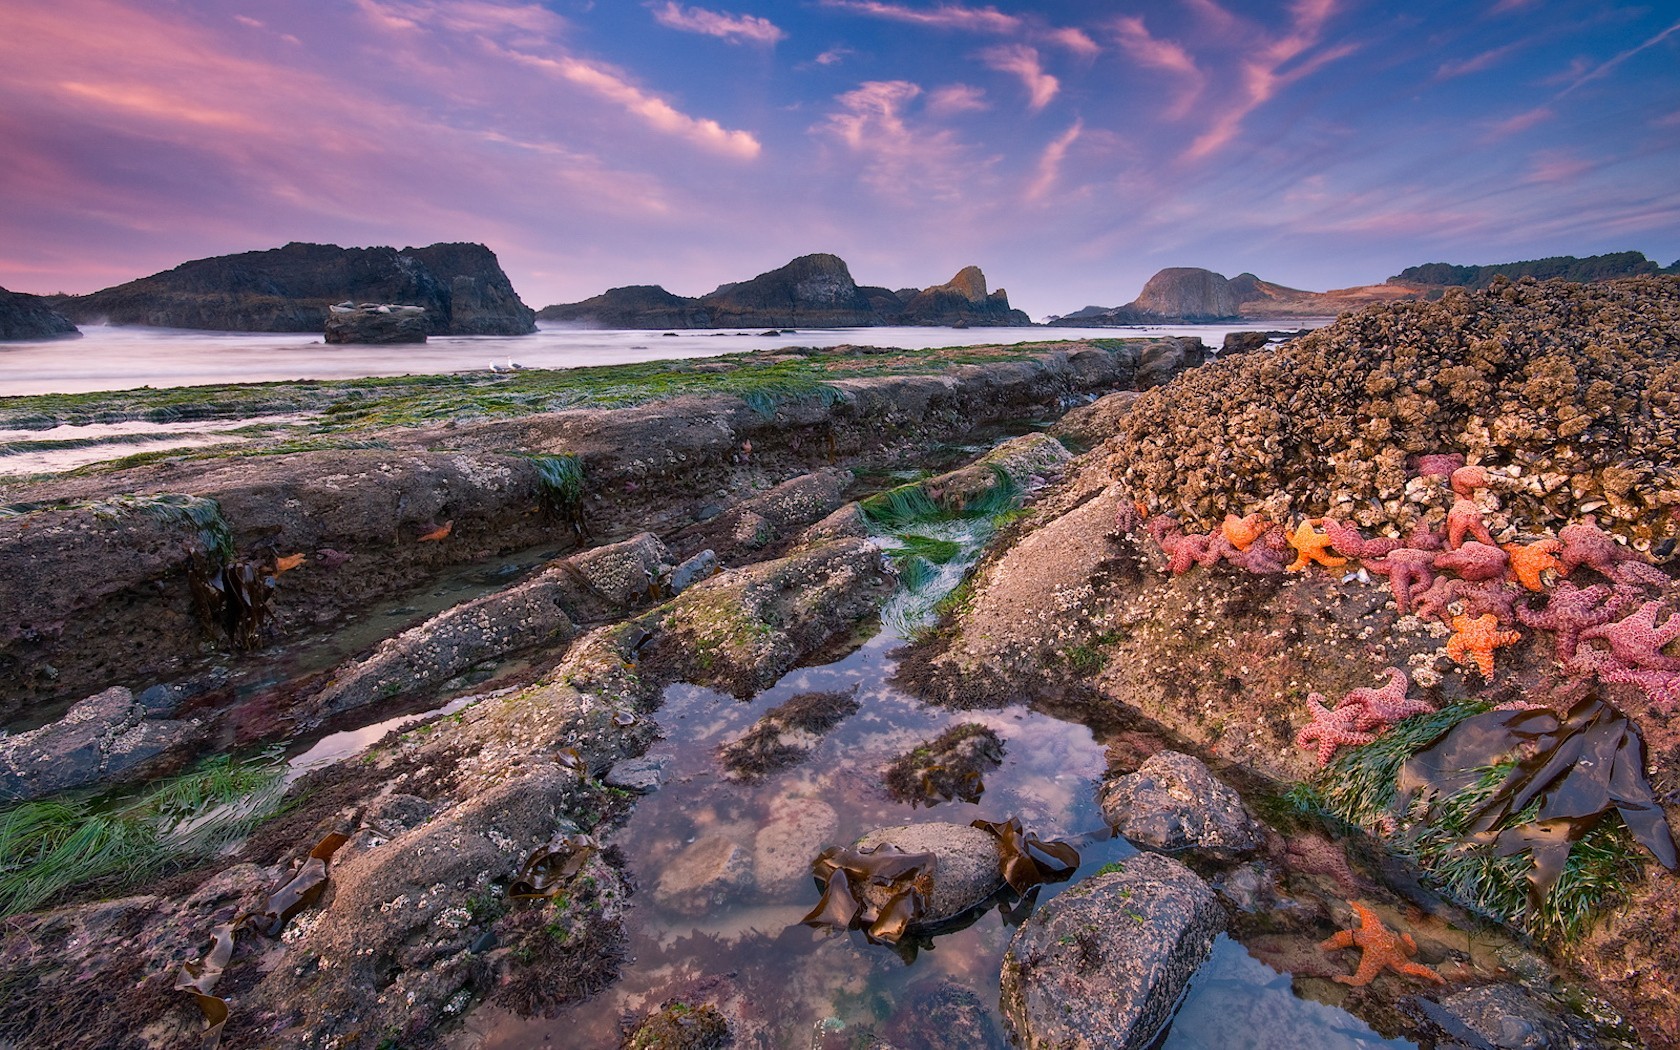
[
  {"x": 1174, "y": 802},
  {"x": 1102, "y": 965}
]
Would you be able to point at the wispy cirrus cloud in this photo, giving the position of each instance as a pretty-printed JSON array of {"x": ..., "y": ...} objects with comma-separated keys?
[
  {"x": 1475, "y": 63},
  {"x": 1603, "y": 68},
  {"x": 1050, "y": 162},
  {"x": 733, "y": 28},
  {"x": 1022, "y": 60},
  {"x": 1152, "y": 52},
  {"x": 1521, "y": 122},
  {"x": 1075, "y": 40},
  {"x": 956, "y": 98},
  {"x": 943, "y": 16},
  {"x": 834, "y": 56},
  {"x": 904, "y": 160},
  {"x": 1272, "y": 64}
]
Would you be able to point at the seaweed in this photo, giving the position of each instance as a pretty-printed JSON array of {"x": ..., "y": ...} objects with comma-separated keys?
[
  {"x": 303, "y": 890},
  {"x": 950, "y": 766},
  {"x": 882, "y": 891},
  {"x": 233, "y": 598},
  {"x": 1028, "y": 860},
  {"x": 560, "y": 488},
  {"x": 551, "y": 866}
]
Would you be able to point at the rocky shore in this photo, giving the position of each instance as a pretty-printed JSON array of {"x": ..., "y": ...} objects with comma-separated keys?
[{"x": 462, "y": 872}]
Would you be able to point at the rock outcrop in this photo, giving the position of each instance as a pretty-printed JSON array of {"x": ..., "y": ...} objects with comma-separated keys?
[
  {"x": 1188, "y": 294},
  {"x": 1174, "y": 802},
  {"x": 812, "y": 291},
  {"x": 461, "y": 287},
  {"x": 24, "y": 316},
  {"x": 376, "y": 323}
]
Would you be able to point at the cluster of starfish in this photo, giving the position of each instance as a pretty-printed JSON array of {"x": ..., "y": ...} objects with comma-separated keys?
[
  {"x": 1635, "y": 655},
  {"x": 1358, "y": 717}
]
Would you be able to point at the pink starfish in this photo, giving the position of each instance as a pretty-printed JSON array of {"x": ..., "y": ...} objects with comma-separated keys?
[
  {"x": 1572, "y": 610},
  {"x": 1637, "y": 641},
  {"x": 1423, "y": 538},
  {"x": 1409, "y": 571},
  {"x": 1381, "y": 708},
  {"x": 1187, "y": 549},
  {"x": 1475, "y": 561},
  {"x": 1661, "y": 688},
  {"x": 1480, "y": 598},
  {"x": 1584, "y": 543},
  {"x": 1260, "y": 558},
  {"x": 1466, "y": 480},
  {"x": 1331, "y": 729},
  {"x": 1346, "y": 540},
  {"x": 1466, "y": 517},
  {"x": 1439, "y": 464}
]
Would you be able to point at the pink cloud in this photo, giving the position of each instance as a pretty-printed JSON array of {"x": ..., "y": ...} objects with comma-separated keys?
[
  {"x": 1521, "y": 122},
  {"x": 1552, "y": 166},
  {"x": 956, "y": 98},
  {"x": 1603, "y": 69},
  {"x": 1151, "y": 52},
  {"x": 1022, "y": 61},
  {"x": 1075, "y": 40},
  {"x": 1050, "y": 162},
  {"x": 943, "y": 16},
  {"x": 834, "y": 56},
  {"x": 715, "y": 23},
  {"x": 903, "y": 161}
]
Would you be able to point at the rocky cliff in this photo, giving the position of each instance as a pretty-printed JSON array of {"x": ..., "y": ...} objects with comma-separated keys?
[
  {"x": 461, "y": 287},
  {"x": 812, "y": 291},
  {"x": 1192, "y": 294},
  {"x": 25, "y": 316}
]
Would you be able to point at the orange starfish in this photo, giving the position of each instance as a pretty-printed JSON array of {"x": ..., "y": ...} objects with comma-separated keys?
[
  {"x": 1384, "y": 950},
  {"x": 287, "y": 562},
  {"x": 1242, "y": 532},
  {"x": 1476, "y": 639},
  {"x": 1311, "y": 545},
  {"x": 1529, "y": 560},
  {"x": 439, "y": 533}
]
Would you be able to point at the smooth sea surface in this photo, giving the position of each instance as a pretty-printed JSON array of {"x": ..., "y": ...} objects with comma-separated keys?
[{"x": 111, "y": 358}]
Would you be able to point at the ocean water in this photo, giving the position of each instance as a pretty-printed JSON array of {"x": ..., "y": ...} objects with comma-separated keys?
[{"x": 108, "y": 358}]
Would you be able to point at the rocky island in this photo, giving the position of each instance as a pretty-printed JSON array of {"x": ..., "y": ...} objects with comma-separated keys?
[
  {"x": 812, "y": 291},
  {"x": 460, "y": 286},
  {"x": 1345, "y": 658},
  {"x": 24, "y": 316}
]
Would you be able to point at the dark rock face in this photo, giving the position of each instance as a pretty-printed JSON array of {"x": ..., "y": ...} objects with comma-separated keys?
[
  {"x": 1504, "y": 1017},
  {"x": 1187, "y": 292},
  {"x": 1174, "y": 802},
  {"x": 1104, "y": 963},
  {"x": 31, "y": 317},
  {"x": 104, "y": 739},
  {"x": 461, "y": 287},
  {"x": 812, "y": 291},
  {"x": 377, "y": 324}
]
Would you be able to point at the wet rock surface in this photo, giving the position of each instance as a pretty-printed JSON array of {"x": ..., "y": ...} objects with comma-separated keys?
[
  {"x": 759, "y": 522},
  {"x": 378, "y": 324},
  {"x": 783, "y": 847},
  {"x": 710, "y": 871},
  {"x": 967, "y": 864},
  {"x": 1505, "y": 1017},
  {"x": 1102, "y": 964},
  {"x": 105, "y": 739},
  {"x": 1174, "y": 802}
]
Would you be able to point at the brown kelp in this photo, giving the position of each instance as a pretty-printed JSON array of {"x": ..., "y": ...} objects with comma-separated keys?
[
  {"x": 881, "y": 891},
  {"x": 233, "y": 597},
  {"x": 551, "y": 866},
  {"x": 950, "y": 766},
  {"x": 303, "y": 891},
  {"x": 1028, "y": 860},
  {"x": 1562, "y": 774}
]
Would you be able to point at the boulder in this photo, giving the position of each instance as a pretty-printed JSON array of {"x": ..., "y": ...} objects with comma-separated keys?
[
  {"x": 702, "y": 566},
  {"x": 1102, "y": 965},
  {"x": 1091, "y": 424},
  {"x": 1174, "y": 802},
  {"x": 104, "y": 739},
  {"x": 1161, "y": 360},
  {"x": 968, "y": 868},
  {"x": 705, "y": 875},
  {"x": 371, "y": 323},
  {"x": 624, "y": 574},
  {"x": 641, "y": 775},
  {"x": 1187, "y": 293},
  {"x": 24, "y": 316},
  {"x": 1503, "y": 1017}
]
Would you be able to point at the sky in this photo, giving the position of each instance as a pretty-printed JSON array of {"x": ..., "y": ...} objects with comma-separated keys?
[{"x": 1070, "y": 149}]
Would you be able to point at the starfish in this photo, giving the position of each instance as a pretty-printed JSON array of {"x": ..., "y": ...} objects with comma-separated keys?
[
  {"x": 1474, "y": 640},
  {"x": 1529, "y": 560},
  {"x": 1260, "y": 558},
  {"x": 1423, "y": 538},
  {"x": 1311, "y": 545},
  {"x": 1409, "y": 571},
  {"x": 1345, "y": 539},
  {"x": 439, "y": 533},
  {"x": 1475, "y": 561},
  {"x": 288, "y": 562},
  {"x": 1584, "y": 543},
  {"x": 1466, "y": 480},
  {"x": 1478, "y": 598},
  {"x": 1572, "y": 610},
  {"x": 1383, "y": 948},
  {"x": 1162, "y": 527},
  {"x": 1331, "y": 729},
  {"x": 1637, "y": 641},
  {"x": 1381, "y": 708},
  {"x": 1466, "y": 517},
  {"x": 1439, "y": 464},
  {"x": 1661, "y": 688},
  {"x": 1242, "y": 532}
]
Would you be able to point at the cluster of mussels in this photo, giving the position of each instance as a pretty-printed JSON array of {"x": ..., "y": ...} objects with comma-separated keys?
[
  {"x": 1568, "y": 390},
  {"x": 1467, "y": 580}
]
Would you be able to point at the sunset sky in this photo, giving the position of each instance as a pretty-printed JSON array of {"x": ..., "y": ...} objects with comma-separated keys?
[{"x": 1070, "y": 149}]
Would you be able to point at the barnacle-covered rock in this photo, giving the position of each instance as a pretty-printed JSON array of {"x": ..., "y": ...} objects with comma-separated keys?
[{"x": 1572, "y": 384}]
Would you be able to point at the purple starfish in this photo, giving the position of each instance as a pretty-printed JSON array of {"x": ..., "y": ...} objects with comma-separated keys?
[
  {"x": 1572, "y": 610},
  {"x": 1661, "y": 688},
  {"x": 1346, "y": 540},
  {"x": 1584, "y": 543},
  {"x": 1480, "y": 598},
  {"x": 1409, "y": 571},
  {"x": 1637, "y": 641},
  {"x": 1331, "y": 729},
  {"x": 1381, "y": 708}
]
